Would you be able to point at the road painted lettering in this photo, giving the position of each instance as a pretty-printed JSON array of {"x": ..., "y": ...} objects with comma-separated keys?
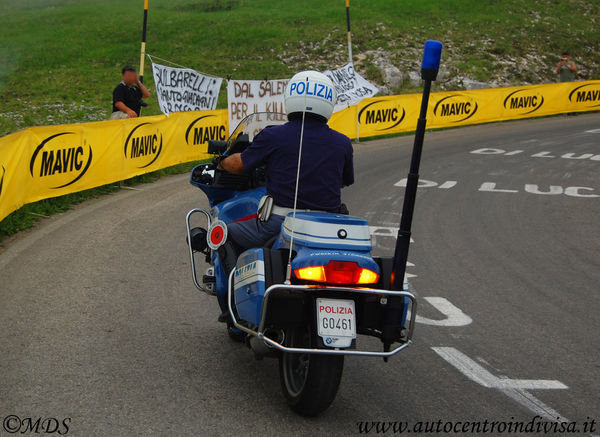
[
  {"x": 424, "y": 183},
  {"x": 535, "y": 189},
  {"x": 574, "y": 156},
  {"x": 542, "y": 154},
  {"x": 491, "y": 187},
  {"x": 575, "y": 192}
]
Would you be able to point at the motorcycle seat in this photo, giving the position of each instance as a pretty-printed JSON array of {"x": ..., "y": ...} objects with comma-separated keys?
[{"x": 327, "y": 231}]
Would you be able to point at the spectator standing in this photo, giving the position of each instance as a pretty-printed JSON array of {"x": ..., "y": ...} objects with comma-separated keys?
[
  {"x": 127, "y": 96},
  {"x": 566, "y": 68}
]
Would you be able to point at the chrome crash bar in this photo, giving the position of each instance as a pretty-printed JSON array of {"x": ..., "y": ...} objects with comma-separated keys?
[
  {"x": 260, "y": 332},
  {"x": 189, "y": 243}
]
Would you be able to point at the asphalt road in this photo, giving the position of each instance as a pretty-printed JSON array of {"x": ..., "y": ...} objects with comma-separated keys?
[{"x": 101, "y": 324}]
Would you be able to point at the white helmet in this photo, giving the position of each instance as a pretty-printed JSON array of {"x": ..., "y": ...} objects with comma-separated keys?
[{"x": 310, "y": 91}]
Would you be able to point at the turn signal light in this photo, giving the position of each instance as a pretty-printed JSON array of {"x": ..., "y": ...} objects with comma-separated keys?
[
  {"x": 315, "y": 273},
  {"x": 338, "y": 272}
]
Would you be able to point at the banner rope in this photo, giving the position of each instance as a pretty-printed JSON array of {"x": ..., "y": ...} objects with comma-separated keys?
[{"x": 180, "y": 66}]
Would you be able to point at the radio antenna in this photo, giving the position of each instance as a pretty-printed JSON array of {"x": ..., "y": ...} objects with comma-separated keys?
[{"x": 288, "y": 275}]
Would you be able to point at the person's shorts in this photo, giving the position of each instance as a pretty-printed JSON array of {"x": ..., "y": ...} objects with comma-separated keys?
[{"x": 118, "y": 115}]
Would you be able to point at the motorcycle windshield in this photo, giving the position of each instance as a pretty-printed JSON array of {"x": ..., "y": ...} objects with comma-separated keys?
[{"x": 250, "y": 126}]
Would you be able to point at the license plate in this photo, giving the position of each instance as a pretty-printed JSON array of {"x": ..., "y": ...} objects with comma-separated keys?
[{"x": 336, "y": 320}]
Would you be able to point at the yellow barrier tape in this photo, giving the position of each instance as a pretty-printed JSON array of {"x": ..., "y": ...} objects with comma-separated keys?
[
  {"x": 42, "y": 162},
  {"x": 395, "y": 114}
]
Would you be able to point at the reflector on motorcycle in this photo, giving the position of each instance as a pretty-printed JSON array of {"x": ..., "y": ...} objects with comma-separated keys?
[{"x": 338, "y": 272}]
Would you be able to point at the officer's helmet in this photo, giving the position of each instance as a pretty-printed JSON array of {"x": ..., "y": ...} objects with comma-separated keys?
[{"x": 312, "y": 92}]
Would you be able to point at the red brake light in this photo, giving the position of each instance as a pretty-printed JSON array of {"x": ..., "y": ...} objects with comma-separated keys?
[{"x": 339, "y": 273}]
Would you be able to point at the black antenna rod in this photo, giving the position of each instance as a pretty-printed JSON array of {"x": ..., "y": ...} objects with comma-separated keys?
[{"x": 429, "y": 70}]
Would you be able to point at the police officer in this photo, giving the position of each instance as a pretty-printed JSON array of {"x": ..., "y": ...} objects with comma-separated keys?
[{"x": 326, "y": 161}]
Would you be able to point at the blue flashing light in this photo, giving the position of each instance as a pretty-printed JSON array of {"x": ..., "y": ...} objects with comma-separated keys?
[{"x": 432, "y": 55}]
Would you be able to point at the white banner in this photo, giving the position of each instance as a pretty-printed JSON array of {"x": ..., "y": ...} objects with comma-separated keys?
[
  {"x": 183, "y": 89},
  {"x": 351, "y": 87},
  {"x": 245, "y": 97}
]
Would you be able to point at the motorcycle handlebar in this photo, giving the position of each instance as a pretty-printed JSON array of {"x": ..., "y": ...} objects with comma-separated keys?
[{"x": 216, "y": 147}]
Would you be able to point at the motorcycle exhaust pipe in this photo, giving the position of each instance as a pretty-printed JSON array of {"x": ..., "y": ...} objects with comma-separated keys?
[{"x": 260, "y": 348}]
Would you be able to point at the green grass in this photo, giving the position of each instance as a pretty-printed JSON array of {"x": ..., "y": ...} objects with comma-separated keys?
[{"x": 60, "y": 59}]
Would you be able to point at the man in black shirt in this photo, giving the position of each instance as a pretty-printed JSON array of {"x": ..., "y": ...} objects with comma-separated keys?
[{"x": 127, "y": 96}]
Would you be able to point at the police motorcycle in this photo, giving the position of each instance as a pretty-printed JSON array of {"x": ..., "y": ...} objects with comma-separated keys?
[{"x": 314, "y": 293}]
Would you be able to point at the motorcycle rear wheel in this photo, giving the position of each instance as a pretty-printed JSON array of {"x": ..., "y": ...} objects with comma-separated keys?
[{"x": 309, "y": 381}]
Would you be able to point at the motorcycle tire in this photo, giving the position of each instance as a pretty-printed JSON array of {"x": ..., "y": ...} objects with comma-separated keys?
[{"x": 309, "y": 381}]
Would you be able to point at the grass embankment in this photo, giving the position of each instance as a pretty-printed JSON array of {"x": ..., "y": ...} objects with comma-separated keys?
[{"x": 60, "y": 60}]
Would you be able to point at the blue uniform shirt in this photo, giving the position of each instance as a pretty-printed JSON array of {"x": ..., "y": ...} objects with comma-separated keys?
[{"x": 326, "y": 164}]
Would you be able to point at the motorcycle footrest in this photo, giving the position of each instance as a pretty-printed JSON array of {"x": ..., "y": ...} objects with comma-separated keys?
[
  {"x": 209, "y": 283},
  {"x": 209, "y": 279}
]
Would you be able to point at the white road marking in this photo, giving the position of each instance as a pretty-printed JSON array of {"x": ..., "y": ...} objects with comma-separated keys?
[
  {"x": 491, "y": 186},
  {"x": 573, "y": 156},
  {"x": 447, "y": 184},
  {"x": 535, "y": 189},
  {"x": 385, "y": 231},
  {"x": 424, "y": 183},
  {"x": 543, "y": 155},
  {"x": 533, "y": 404},
  {"x": 574, "y": 192},
  {"x": 516, "y": 389},
  {"x": 593, "y": 131},
  {"x": 454, "y": 315},
  {"x": 488, "y": 151}
]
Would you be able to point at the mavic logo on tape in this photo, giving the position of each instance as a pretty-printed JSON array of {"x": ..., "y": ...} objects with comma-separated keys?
[
  {"x": 524, "y": 101},
  {"x": 587, "y": 95},
  {"x": 143, "y": 145},
  {"x": 455, "y": 108},
  {"x": 199, "y": 133},
  {"x": 385, "y": 114},
  {"x": 2, "y": 180},
  {"x": 61, "y": 159}
]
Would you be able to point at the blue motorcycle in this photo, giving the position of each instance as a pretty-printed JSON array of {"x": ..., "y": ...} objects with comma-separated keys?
[
  {"x": 309, "y": 295},
  {"x": 336, "y": 291}
]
